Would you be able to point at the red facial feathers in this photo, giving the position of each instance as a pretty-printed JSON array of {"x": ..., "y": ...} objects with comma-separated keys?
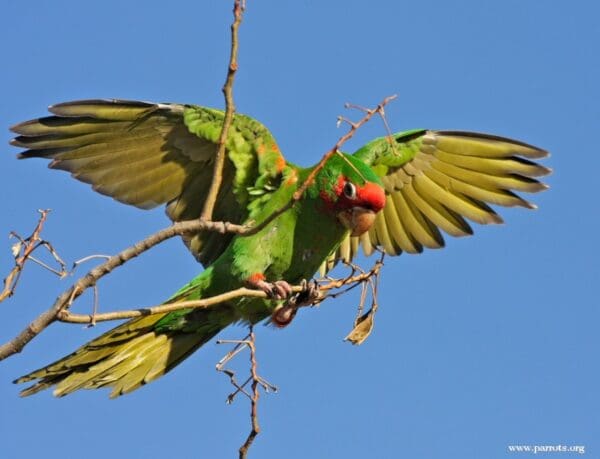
[{"x": 370, "y": 196}]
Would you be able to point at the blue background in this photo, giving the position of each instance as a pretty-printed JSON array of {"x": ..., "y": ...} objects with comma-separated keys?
[{"x": 491, "y": 342}]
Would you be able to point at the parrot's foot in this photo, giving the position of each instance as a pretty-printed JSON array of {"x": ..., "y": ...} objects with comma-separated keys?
[
  {"x": 278, "y": 290},
  {"x": 310, "y": 294},
  {"x": 285, "y": 313}
]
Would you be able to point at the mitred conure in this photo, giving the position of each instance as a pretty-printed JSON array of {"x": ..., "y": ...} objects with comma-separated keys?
[{"x": 396, "y": 193}]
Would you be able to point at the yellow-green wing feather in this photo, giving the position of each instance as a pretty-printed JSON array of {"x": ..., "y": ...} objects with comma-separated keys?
[
  {"x": 147, "y": 154},
  {"x": 435, "y": 180}
]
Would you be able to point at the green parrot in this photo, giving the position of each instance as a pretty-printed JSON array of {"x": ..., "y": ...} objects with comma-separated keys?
[{"x": 396, "y": 193}]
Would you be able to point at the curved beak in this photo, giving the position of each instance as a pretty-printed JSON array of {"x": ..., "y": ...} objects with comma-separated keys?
[{"x": 357, "y": 219}]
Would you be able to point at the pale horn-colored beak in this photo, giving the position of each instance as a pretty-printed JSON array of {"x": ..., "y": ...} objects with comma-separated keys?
[{"x": 357, "y": 219}]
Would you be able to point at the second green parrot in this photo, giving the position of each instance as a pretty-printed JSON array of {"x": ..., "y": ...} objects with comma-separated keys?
[{"x": 396, "y": 193}]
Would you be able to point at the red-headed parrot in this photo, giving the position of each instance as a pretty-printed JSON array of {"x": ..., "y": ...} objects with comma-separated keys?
[{"x": 396, "y": 193}]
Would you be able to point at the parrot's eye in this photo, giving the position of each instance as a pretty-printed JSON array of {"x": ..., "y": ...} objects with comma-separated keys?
[{"x": 349, "y": 190}]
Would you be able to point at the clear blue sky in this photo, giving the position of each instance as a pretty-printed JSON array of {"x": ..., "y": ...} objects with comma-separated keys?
[{"x": 490, "y": 342}]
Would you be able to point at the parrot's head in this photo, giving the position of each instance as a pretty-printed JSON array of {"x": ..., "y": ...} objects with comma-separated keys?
[{"x": 352, "y": 190}]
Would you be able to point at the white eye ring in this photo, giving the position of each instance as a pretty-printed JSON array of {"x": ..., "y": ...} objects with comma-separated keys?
[{"x": 349, "y": 190}]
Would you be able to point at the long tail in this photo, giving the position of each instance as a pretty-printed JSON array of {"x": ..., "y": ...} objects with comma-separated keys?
[{"x": 130, "y": 355}]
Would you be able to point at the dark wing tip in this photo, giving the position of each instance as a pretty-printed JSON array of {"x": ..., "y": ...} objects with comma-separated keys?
[
  {"x": 106, "y": 102},
  {"x": 59, "y": 109},
  {"x": 22, "y": 379},
  {"x": 407, "y": 136},
  {"x": 41, "y": 153}
]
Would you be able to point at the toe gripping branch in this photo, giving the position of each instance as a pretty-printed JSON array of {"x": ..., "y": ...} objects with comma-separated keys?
[
  {"x": 292, "y": 298},
  {"x": 309, "y": 295}
]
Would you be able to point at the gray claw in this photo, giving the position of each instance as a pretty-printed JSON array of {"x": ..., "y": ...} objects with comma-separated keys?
[{"x": 278, "y": 290}]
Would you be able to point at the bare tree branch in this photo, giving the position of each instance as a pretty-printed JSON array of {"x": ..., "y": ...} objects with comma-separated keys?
[
  {"x": 65, "y": 300},
  {"x": 211, "y": 198},
  {"x": 69, "y": 317}
]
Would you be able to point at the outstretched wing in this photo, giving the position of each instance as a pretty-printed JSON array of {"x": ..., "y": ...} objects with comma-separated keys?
[
  {"x": 148, "y": 154},
  {"x": 435, "y": 180}
]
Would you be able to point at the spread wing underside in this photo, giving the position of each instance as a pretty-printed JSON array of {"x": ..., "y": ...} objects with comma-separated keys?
[{"x": 437, "y": 180}]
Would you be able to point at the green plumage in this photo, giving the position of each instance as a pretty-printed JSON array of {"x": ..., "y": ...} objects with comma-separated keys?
[{"x": 147, "y": 154}]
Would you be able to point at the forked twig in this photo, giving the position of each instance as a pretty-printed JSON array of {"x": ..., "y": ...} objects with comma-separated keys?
[
  {"x": 253, "y": 401},
  {"x": 22, "y": 251},
  {"x": 240, "y": 345},
  {"x": 364, "y": 322},
  {"x": 256, "y": 381}
]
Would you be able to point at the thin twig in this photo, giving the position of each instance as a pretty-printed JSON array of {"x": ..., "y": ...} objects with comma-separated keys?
[
  {"x": 63, "y": 266},
  {"x": 62, "y": 273},
  {"x": 27, "y": 246},
  {"x": 88, "y": 258},
  {"x": 211, "y": 198},
  {"x": 390, "y": 135},
  {"x": 353, "y": 127},
  {"x": 94, "y": 308},
  {"x": 254, "y": 399},
  {"x": 240, "y": 345}
]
